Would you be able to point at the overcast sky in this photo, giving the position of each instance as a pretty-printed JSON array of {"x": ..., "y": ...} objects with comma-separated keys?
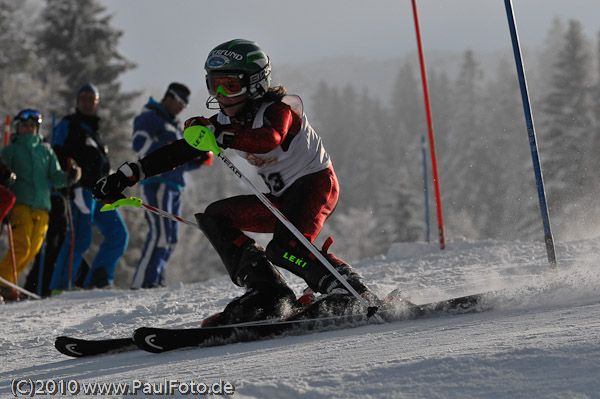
[{"x": 169, "y": 40}]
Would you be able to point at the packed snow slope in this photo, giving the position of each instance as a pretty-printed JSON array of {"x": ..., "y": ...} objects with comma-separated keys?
[{"x": 542, "y": 340}]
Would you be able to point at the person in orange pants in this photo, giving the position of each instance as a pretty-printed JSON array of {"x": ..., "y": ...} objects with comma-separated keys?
[
  {"x": 7, "y": 198},
  {"x": 29, "y": 215}
]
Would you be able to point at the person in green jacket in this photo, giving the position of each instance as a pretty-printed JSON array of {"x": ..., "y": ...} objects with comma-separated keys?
[{"x": 37, "y": 169}]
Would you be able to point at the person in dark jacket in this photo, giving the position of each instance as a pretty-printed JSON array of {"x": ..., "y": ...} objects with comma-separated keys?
[
  {"x": 155, "y": 127},
  {"x": 76, "y": 138}
]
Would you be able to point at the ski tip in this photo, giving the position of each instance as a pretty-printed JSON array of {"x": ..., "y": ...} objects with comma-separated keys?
[{"x": 67, "y": 346}]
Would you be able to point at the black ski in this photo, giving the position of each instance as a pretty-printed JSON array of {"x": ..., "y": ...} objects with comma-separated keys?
[
  {"x": 76, "y": 347},
  {"x": 461, "y": 305},
  {"x": 158, "y": 340}
]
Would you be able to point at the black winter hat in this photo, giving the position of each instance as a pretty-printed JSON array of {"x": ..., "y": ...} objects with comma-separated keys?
[{"x": 179, "y": 91}]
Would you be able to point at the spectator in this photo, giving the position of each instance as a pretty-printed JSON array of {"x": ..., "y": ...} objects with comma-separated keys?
[
  {"x": 35, "y": 165},
  {"x": 57, "y": 231},
  {"x": 155, "y": 127},
  {"x": 76, "y": 138}
]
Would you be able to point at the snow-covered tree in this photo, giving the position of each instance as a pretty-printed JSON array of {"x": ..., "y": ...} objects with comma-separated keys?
[
  {"x": 461, "y": 146},
  {"x": 407, "y": 105},
  {"x": 77, "y": 41},
  {"x": 511, "y": 189},
  {"x": 20, "y": 64},
  {"x": 567, "y": 133}
]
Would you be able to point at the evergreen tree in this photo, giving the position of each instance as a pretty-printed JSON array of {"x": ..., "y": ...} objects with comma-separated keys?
[
  {"x": 539, "y": 78},
  {"x": 461, "y": 155},
  {"x": 368, "y": 148},
  {"x": 567, "y": 134},
  {"x": 407, "y": 104},
  {"x": 401, "y": 210},
  {"x": 443, "y": 110},
  {"x": 401, "y": 184},
  {"x": 595, "y": 147},
  {"x": 20, "y": 65},
  {"x": 78, "y": 41},
  {"x": 511, "y": 190},
  {"x": 442, "y": 105}
]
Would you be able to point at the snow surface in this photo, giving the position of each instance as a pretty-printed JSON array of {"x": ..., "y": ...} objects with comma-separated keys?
[{"x": 541, "y": 341}]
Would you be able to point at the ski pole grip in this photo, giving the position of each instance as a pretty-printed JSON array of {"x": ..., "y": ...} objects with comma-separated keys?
[
  {"x": 133, "y": 201},
  {"x": 202, "y": 138}
]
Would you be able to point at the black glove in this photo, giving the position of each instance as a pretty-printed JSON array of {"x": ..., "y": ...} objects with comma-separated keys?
[
  {"x": 205, "y": 158},
  {"x": 108, "y": 189},
  {"x": 7, "y": 177}
]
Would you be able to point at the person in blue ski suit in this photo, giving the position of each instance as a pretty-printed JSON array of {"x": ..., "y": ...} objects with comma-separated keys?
[
  {"x": 153, "y": 128},
  {"x": 76, "y": 138}
]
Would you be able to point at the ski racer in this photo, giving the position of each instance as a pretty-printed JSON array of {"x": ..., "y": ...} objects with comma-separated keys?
[{"x": 269, "y": 129}]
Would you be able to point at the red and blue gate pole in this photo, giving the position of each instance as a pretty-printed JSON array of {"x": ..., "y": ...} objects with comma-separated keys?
[{"x": 434, "y": 170}]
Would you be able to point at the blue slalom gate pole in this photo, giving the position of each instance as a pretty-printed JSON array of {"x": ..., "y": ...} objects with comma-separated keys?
[
  {"x": 425, "y": 188},
  {"x": 531, "y": 133}
]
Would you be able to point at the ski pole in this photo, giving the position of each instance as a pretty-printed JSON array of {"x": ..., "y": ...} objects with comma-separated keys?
[
  {"x": 71, "y": 228},
  {"x": 22, "y": 290},
  {"x": 11, "y": 245},
  {"x": 203, "y": 139},
  {"x": 136, "y": 202}
]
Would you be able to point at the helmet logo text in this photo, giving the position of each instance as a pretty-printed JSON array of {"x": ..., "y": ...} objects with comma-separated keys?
[
  {"x": 217, "y": 61},
  {"x": 228, "y": 53}
]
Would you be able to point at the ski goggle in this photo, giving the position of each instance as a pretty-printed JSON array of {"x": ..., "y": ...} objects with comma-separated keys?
[
  {"x": 178, "y": 98},
  {"x": 228, "y": 85},
  {"x": 28, "y": 114}
]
